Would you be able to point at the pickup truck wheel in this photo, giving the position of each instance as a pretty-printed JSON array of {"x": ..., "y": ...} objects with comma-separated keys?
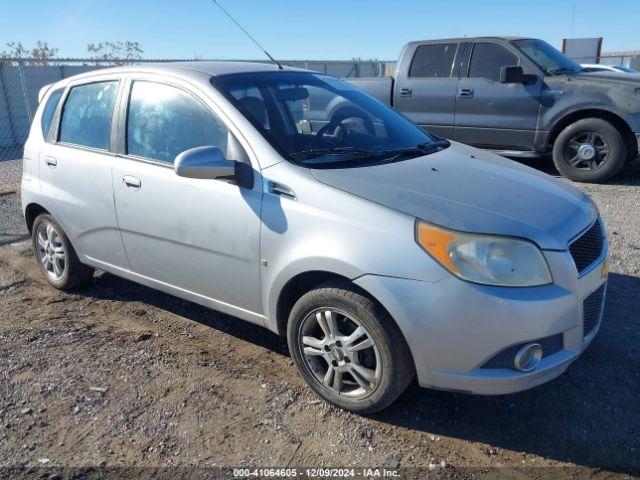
[
  {"x": 589, "y": 150},
  {"x": 56, "y": 257},
  {"x": 348, "y": 349}
]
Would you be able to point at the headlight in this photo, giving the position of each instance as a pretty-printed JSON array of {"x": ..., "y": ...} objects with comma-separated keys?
[{"x": 486, "y": 259}]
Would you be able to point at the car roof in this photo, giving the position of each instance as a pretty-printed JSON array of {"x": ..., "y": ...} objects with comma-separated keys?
[
  {"x": 181, "y": 69},
  {"x": 507, "y": 38},
  {"x": 223, "y": 68}
]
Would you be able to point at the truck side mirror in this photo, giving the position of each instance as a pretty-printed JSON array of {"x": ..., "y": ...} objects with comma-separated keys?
[
  {"x": 511, "y": 74},
  {"x": 204, "y": 162}
]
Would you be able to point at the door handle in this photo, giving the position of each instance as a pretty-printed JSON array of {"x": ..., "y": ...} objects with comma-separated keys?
[
  {"x": 51, "y": 162},
  {"x": 132, "y": 182},
  {"x": 405, "y": 92},
  {"x": 465, "y": 92}
]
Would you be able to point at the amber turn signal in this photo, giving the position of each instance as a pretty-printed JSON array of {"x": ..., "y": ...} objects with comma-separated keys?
[{"x": 436, "y": 243}]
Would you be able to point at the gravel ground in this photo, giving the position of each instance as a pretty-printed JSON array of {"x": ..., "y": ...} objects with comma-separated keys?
[
  {"x": 10, "y": 172},
  {"x": 118, "y": 375},
  {"x": 12, "y": 226}
]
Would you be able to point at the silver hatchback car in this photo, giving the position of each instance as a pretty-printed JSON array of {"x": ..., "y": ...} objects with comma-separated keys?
[{"x": 295, "y": 201}]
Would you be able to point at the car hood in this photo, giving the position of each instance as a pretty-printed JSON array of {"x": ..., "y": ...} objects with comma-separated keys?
[
  {"x": 609, "y": 77},
  {"x": 469, "y": 190}
]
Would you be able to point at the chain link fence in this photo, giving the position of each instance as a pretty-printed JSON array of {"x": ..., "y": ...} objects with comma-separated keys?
[
  {"x": 22, "y": 78},
  {"x": 629, "y": 59}
]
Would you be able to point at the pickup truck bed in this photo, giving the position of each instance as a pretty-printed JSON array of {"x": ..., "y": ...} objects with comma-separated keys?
[{"x": 378, "y": 87}]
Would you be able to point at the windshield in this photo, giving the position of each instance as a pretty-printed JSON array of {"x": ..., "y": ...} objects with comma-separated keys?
[
  {"x": 549, "y": 59},
  {"x": 318, "y": 120}
]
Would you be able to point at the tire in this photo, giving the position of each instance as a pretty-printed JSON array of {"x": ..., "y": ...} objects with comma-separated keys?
[
  {"x": 632, "y": 153},
  {"x": 386, "y": 366},
  {"x": 609, "y": 146},
  {"x": 56, "y": 258}
]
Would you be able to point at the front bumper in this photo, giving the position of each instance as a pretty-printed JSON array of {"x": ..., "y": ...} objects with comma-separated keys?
[{"x": 454, "y": 327}]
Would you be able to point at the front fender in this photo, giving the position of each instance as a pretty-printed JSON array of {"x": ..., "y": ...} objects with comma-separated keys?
[
  {"x": 563, "y": 98},
  {"x": 279, "y": 279},
  {"x": 328, "y": 230}
]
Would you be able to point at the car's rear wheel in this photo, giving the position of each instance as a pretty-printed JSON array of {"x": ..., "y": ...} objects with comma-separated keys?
[
  {"x": 56, "y": 257},
  {"x": 589, "y": 150},
  {"x": 348, "y": 349}
]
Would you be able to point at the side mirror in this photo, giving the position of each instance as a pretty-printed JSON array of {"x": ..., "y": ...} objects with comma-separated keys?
[
  {"x": 204, "y": 162},
  {"x": 511, "y": 75}
]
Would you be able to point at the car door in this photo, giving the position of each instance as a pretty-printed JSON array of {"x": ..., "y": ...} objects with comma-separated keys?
[
  {"x": 493, "y": 114},
  {"x": 75, "y": 170},
  {"x": 426, "y": 93},
  {"x": 198, "y": 238}
]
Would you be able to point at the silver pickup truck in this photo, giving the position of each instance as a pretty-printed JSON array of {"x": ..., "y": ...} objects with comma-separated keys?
[{"x": 520, "y": 97}]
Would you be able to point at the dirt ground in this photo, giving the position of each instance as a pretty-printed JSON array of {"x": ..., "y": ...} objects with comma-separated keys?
[{"x": 121, "y": 376}]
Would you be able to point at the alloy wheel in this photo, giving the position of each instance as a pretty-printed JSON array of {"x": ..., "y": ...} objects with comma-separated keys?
[
  {"x": 340, "y": 353},
  {"x": 587, "y": 151},
  {"x": 50, "y": 251}
]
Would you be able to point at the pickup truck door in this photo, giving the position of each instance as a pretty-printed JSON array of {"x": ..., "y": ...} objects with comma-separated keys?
[
  {"x": 425, "y": 91},
  {"x": 493, "y": 114}
]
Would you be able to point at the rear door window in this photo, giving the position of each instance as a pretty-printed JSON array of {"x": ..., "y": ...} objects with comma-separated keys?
[
  {"x": 488, "y": 58},
  {"x": 164, "y": 121},
  {"x": 49, "y": 110},
  {"x": 86, "y": 115},
  {"x": 433, "y": 61}
]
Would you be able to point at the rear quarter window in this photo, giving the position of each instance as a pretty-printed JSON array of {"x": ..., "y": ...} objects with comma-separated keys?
[
  {"x": 86, "y": 115},
  {"x": 49, "y": 110}
]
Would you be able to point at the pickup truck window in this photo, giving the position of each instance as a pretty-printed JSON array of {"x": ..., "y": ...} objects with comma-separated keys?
[
  {"x": 433, "y": 61},
  {"x": 488, "y": 58},
  {"x": 314, "y": 119}
]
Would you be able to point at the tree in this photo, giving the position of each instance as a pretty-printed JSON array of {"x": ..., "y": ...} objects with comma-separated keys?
[
  {"x": 115, "y": 53},
  {"x": 16, "y": 50},
  {"x": 41, "y": 53}
]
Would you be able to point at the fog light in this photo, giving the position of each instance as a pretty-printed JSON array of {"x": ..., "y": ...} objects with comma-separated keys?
[{"x": 528, "y": 357}]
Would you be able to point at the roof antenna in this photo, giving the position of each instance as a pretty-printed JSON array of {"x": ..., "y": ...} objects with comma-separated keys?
[{"x": 247, "y": 34}]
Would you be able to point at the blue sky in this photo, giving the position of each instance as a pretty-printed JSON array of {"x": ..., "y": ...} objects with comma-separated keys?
[{"x": 314, "y": 29}]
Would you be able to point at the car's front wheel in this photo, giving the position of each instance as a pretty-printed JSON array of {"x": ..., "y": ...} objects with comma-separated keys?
[
  {"x": 589, "y": 150},
  {"x": 56, "y": 257},
  {"x": 348, "y": 349}
]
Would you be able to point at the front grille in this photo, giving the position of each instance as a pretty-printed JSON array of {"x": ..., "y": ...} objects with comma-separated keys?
[
  {"x": 504, "y": 359},
  {"x": 592, "y": 307},
  {"x": 588, "y": 248}
]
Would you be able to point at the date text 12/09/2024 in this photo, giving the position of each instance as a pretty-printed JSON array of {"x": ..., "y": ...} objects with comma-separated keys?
[{"x": 315, "y": 472}]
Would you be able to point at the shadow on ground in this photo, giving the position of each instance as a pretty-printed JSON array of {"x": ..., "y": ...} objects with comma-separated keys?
[
  {"x": 107, "y": 286},
  {"x": 588, "y": 416}
]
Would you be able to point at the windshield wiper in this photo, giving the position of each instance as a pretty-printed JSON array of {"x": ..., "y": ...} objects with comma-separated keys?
[
  {"x": 319, "y": 152},
  {"x": 436, "y": 145},
  {"x": 418, "y": 149},
  {"x": 357, "y": 153},
  {"x": 564, "y": 70}
]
